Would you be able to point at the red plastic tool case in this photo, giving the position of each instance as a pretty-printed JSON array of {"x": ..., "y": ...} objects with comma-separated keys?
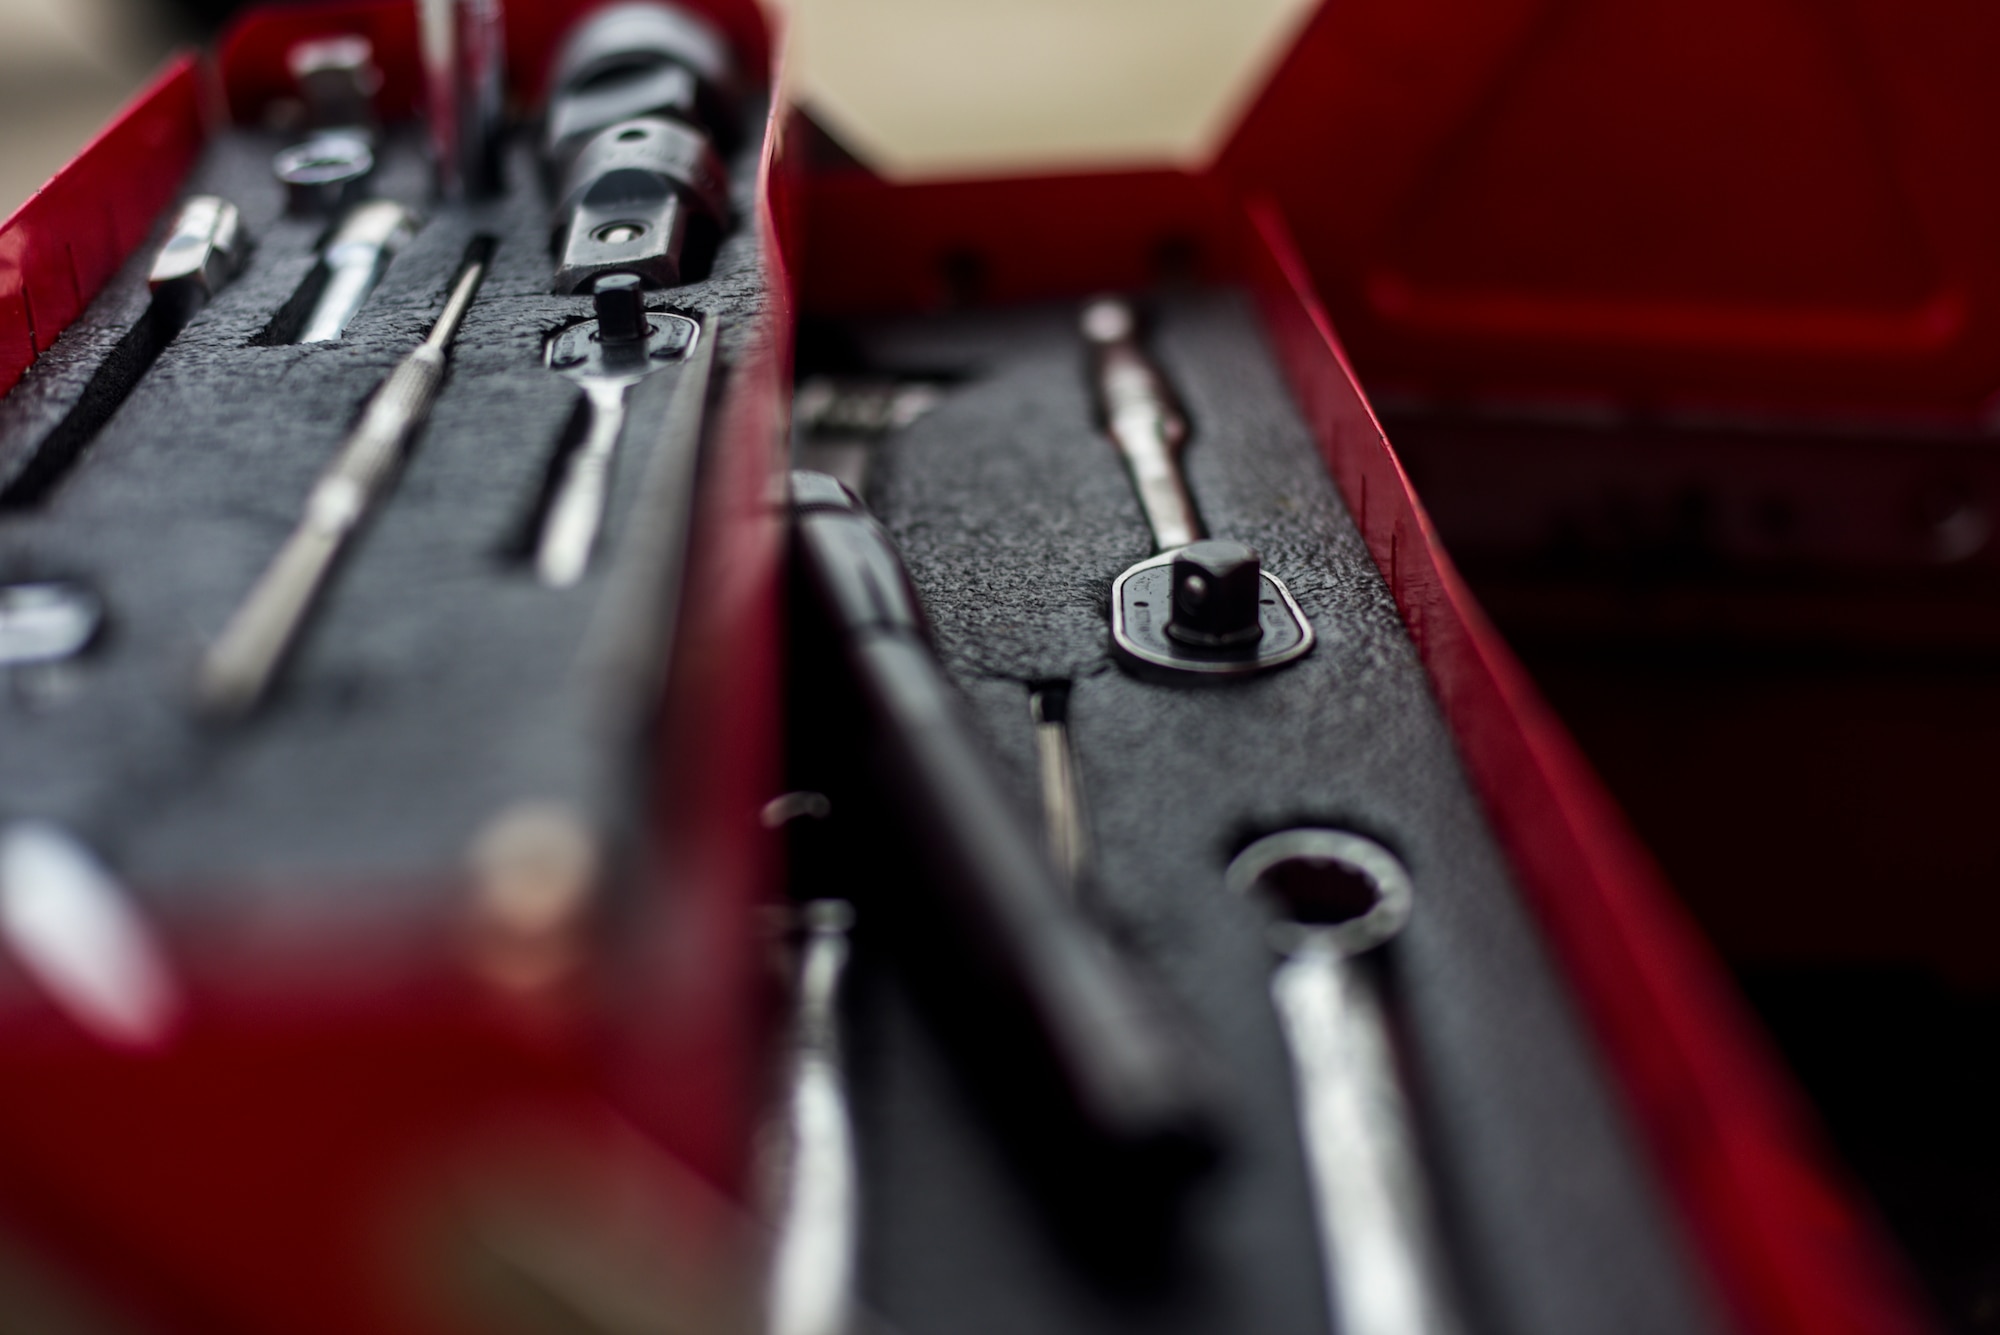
[
  {"x": 1517, "y": 201},
  {"x": 302, "y": 1154}
]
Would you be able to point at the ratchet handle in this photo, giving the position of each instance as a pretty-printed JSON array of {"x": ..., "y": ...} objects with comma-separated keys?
[
  {"x": 1154, "y": 463},
  {"x": 1137, "y": 409}
]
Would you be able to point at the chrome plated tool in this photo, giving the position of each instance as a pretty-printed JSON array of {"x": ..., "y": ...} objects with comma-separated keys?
[
  {"x": 607, "y": 356},
  {"x": 1335, "y": 898},
  {"x": 81, "y": 936},
  {"x": 813, "y": 1177},
  {"x": 1138, "y": 411},
  {"x": 46, "y": 621},
  {"x": 323, "y": 174},
  {"x": 45, "y": 625},
  {"x": 337, "y": 81},
  {"x": 355, "y": 259},
  {"x": 1202, "y": 607},
  {"x": 838, "y": 422},
  {"x": 464, "y": 51},
  {"x": 240, "y": 664},
  {"x": 205, "y": 248}
]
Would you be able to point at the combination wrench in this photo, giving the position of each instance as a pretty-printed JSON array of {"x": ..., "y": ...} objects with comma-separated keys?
[{"x": 1336, "y": 898}]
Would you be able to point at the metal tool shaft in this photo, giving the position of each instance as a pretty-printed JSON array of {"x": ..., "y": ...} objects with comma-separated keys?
[
  {"x": 1367, "y": 1178},
  {"x": 355, "y": 258},
  {"x": 1062, "y": 803},
  {"x": 240, "y": 665},
  {"x": 577, "y": 513},
  {"x": 1337, "y": 897},
  {"x": 811, "y": 1287},
  {"x": 1139, "y": 414},
  {"x": 463, "y": 48}
]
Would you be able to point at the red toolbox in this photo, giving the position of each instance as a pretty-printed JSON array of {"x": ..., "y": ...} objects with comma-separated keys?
[{"x": 1708, "y": 211}]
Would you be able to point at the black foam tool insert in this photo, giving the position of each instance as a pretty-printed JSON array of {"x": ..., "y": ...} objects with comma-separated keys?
[
  {"x": 1014, "y": 515},
  {"x": 437, "y": 682}
]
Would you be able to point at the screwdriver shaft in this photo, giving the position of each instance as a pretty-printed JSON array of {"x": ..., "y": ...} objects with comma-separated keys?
[{"x": 240, "y": 664}]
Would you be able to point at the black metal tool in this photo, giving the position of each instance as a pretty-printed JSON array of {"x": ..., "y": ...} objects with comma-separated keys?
[
  {"x": 641, "y": 196},
  {"x": 1132, "y": 1079},
  {"x": 204, "y": 249},
  {"x": 638, "y": 59}
]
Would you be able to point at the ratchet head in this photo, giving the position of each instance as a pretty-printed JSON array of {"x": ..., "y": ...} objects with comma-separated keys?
[{"x": 626, "y": 342}]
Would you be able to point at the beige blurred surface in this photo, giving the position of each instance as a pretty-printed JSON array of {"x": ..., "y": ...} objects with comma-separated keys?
[
  {"x": 65, "y": 67},
  {"x": 944, "y": 88},
  {"x": 915, "y": 88}
]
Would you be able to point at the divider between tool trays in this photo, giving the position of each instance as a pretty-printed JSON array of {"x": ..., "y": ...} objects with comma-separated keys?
[
  {"x": 60, "y": 247},
  {"x": 1790, "y": 1246},
  {"x": 717, "y": 746}
]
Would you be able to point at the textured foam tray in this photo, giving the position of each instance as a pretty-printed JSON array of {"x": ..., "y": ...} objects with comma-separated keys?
[
  {"x": 436, "y": 683},
  {"x": 1014, "y": 516}
]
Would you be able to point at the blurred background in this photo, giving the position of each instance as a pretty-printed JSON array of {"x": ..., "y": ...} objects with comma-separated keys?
[{"x": 65, "y": 66}]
